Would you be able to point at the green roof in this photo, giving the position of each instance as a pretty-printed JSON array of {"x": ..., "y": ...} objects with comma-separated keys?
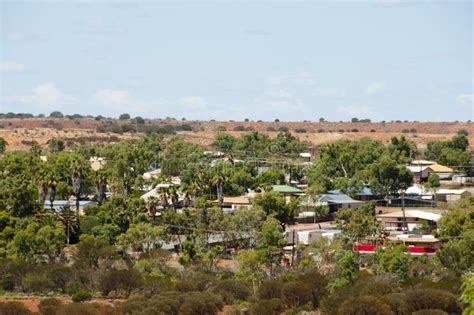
[{"x": 285, "y": 189}]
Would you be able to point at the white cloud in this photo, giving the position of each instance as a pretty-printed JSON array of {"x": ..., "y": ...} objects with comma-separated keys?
[
  {"x": 375, "y": 88},
  {"x": 330, "y": 92},
  {"x": 279, "y": 93},
  {"x": 43, "y": 94},
  {"x": 11, "y": 66},
  {"x": 356, "y": 111},
  {"x": 466, "y": 99},
  {"x": 192, "y": 101},
  {"x": 113, "y": 97},
  {"x": 98, "y": 25}
]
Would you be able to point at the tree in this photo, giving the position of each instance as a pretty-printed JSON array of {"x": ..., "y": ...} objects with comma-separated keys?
[
  {"x": 249, "y": 267},
  {"x": 360, "y": 223},
  {"x": 55, "y": 145},
  {"x": 124, "y": 117},
  {"x": 270, "y": 177},
  {"x": 141, "y": 237},
  {"x": 121, "y": 282},
  {"x": 386, "y": 177},
  {"x": 270, "y": 242},
  {"x": 273, "y": 203},
  {"x": 56, "y": 114},
  {"x": 91, "y": 250},
  {"x": 467, "y": 295},
  {"x": 3, "y": 145},
  {"x": 392, "y": 259}
]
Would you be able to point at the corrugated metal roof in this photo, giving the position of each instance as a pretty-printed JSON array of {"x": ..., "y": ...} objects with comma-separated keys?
[
  {"x": 412, "y": 214},
  {"x": 286, "y": 189}
]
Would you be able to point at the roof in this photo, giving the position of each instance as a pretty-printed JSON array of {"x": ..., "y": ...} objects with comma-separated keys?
[
  {"x": 285, "y": 189},
  {"x": 422, "y": 162},
  {"x": 412, "y": 214},
  {"x": 305, "y": 155},
  {"x": 57, "y": 204},
  {"x": 418, "y": 190},
  {"x": 239, "y": 200},
  {"x": 438, "y": 168},
  {"x": 451, "y": 191},
  {"x": 364, "y": 191},
  {"x": 337, "y": 198},
  {"x": 417, "y": 168}
]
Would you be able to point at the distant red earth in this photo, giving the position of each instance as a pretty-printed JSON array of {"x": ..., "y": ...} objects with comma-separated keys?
[{"x": 20, "y": 132}]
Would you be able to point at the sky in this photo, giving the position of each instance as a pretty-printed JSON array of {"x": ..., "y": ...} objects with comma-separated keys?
[{"x": 231, "y": 60}]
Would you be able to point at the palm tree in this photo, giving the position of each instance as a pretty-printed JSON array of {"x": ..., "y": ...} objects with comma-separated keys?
[
  {"x": 42, "y": 191},
  {"x": 100, "y": 187},
  {"x": 218, "y": 181},
  {"x": 174, "y": 197},
  {"x": 163, "y": 193},
  {"x": 77, "y": 186},
  {"x": 52, "y": 192},
  {"x": 151, "y": 206},
  {"x": 69, "y": 221}
]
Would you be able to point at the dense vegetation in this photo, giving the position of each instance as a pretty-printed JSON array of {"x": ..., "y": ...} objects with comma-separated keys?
[{"x": 168, "y": 264}]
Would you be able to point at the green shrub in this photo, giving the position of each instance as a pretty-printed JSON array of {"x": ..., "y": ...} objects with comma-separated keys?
[
  {"x": 267, "y": 307},
  {"x": 37, "y": 283},
  {"x": 7, "y": 282},
  {"x": 81, "y": 296},
  {"x": 232, "y": 290},
  {"x": 14, "y": 308},
  {"x": 49, "y": 306},
  {"x": 416, "y": 300},
  {"x": 364, "y": 304}
]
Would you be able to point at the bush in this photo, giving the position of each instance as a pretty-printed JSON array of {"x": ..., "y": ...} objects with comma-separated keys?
[
  {"x": 81, "y": 296},
  {"x": 364, "y": 305},
  {"x": 221, "y": 128},
  {"x": 463, "y": 132},
  {"x": 405, "y": 130},
  {"x": 86, "y": 309},
  {"x": 239, "y": 128},
  {"x": 283, "y": 129},
  {"x": 355, "y": 130},
  {"x": 270, "y": 289},
  {"x": 249, "y": 128},
  {"x": 416, "y": 300},
  {"x": 271, "y": 129},
  {"x": 232, "y": 290},
  {"x": 267, "y": 307},
  {"x": 201, "y": 303},
  {"x": 56, "y": 114},
  {"x": 37, "y": 283},
  {"x": 7, "y": 282},
  {"x": 124, "y": 117},
  {"x": 300, "y": 130},
  {"x": 296, "y": 294},
  {"x": 14, "y": 308},
  {"x": 121, "y": 282},
  {"x": 430, "y": 312},
  {"x": 49, "y": 306}
]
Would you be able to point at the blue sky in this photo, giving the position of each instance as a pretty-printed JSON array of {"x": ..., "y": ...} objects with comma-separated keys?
[{"x": 383, "y": 60}]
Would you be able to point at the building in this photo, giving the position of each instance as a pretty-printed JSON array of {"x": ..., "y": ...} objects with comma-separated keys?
[
  {"x": 393, "y": 221},
  {"x": 230, "y": 204},
  {"x": 451, "y": 195},
  {"x": 287, "y": 191},
  {"x": 416, "y": 244},
  {"x": 422, "y": 169},
  {"x": 339, "y": 200},
  {"x": 59, "y": 204}
]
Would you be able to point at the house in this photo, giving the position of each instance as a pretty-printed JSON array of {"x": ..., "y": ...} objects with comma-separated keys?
[
  {"x": 152, "y": 174},
  {"x": 422, "y": 169},
  {"x": 393, "y": 221},
  {"x": 362, "y": 194},
  {"x": 306, "y": 237},
  {"x": 59, "y": 204},
  {"x": 230, "y": 204},
  {"x": 287, "y": 191},
  {"x": 339, "y": 200},
  {"x": 442, "y": 171},
  {"x": 451, "y": 195},
  {"x": 416, "y": 244}
]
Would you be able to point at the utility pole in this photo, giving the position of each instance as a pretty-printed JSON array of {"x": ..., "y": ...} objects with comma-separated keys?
[
  {"x": 405, "y": 228},
  {"x": 293, "y": 248}
]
